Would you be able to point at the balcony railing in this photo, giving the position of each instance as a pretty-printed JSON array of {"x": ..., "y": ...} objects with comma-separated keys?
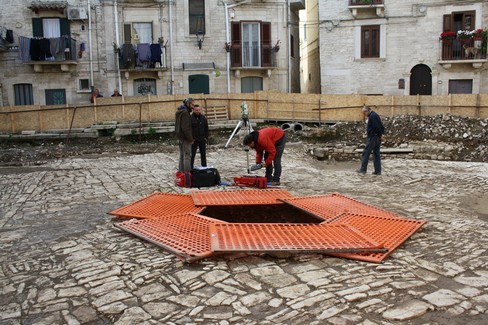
[
  {"x": 142, "y": 57},
  {"x": 456, "y": 50},
  {"x": 253, "y": 56},
  {"x": 367, "y": 6},
  {"x": 365, "y": 2},
  {"x": 41, "y": 52},
  {"x": 37, "y": 50}
]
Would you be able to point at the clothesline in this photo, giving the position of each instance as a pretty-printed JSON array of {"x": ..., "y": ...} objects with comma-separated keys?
[{"x": 46, "y": 49}]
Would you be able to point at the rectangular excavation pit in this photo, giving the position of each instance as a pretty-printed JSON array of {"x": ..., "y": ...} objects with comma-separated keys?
[{"x": 265, "y": 213}]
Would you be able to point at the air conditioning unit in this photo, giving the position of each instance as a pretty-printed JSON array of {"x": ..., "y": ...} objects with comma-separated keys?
[{"x": 77, "y": 13}]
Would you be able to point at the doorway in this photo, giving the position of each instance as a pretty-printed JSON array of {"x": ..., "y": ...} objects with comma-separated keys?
[{"x": 420, "y": 80}]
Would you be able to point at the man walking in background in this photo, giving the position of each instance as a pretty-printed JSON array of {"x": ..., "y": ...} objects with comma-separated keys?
[
  {"x": 269, "y": 144},
  {"x": 184, "y": 134},
  {"x": 375, "y": 131},
  {"x": 199, "y": 127}
]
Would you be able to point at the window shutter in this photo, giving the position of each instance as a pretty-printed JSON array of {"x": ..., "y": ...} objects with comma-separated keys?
[
  {"x": 127, "y": 33},
  {"x": 468, "y": 20},
  {"x": 236, "y": 51},
  {"x": 64, "y": 27},
  {"x": 37, "y": 30},
  {"x": 447, "y": 23},
  {"x": 266, "y": 44}
]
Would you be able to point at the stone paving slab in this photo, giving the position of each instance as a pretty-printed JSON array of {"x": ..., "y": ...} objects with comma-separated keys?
[{"x": 63, "y": 262}]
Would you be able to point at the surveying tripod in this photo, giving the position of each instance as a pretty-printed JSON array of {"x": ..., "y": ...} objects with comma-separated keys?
[{"x": 246, "y": 126}]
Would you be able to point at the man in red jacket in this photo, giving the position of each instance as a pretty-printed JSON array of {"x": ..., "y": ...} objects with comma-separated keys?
[{"x": 269, "y": 144}]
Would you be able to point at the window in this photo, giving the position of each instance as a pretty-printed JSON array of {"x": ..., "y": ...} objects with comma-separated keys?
[
  {"x": 84, "y": 84},
  {"x": 251, "y": 44},
  {"x": 196, "y": 16},
  {"x": 23, "y": 94},
  {"x": 55, "y": 96},
  {"x": 144, "y": 86},
  {"x": 138, "y": 33},
  {"x": 459, "y": 21},
  {"x": 370, "y": 41},
  {"x": 251, "y": 84},
  {"x": 452, "y": 23},
  {"x": 461, "y": 86},
  {"x": 50, "y": 27}
]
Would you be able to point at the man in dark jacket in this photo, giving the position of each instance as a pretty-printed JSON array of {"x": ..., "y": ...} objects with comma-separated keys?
[
  {"x": 184, "y": 134},
  {"x": 375, "y": 131},
  {"x": 269, "y": 144},
  {"x": 199, "y": 128}
]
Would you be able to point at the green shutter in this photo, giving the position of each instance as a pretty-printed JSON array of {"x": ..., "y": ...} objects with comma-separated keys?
[
  {"x": 37, "y": 30},
  {"x": 64, "y": 27}
]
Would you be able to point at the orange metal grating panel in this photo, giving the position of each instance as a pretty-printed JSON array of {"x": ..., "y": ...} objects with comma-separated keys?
[
  {"x": 158, "y": 205},
  {"x": 388, "y": 231},
  {"x": 267, "y": 237},
  {"x": 185, "y": 235},
  {"x": 238, "y": 197},
  {"x": 331, "y": 206}
]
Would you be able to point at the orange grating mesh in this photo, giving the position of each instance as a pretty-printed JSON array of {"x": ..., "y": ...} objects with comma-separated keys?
[
  {"x": 158, "y": 205},
  {"x": 238, "y": 197},
  {"x": 388, "y": 231},
  {"x": 331, "y": 206},
  {"x": 267, "y": 237},
  {"x": 185, "y": 235}
]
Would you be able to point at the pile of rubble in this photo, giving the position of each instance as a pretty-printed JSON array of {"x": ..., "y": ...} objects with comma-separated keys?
[{"x": 441, "y": 137}]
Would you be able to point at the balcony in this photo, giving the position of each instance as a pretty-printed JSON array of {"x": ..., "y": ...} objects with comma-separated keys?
[
  {"x": 138, "y": 58},
  {"x": 297, "y": 5},
  {"x": 462, "y": 52},
  {"x": 42, "y": 52},
  {"x": 366, "y": 6},
  {"x": 253, "y": 58}
]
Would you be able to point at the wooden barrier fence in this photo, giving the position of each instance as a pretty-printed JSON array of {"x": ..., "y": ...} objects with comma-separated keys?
[{"x": 272, "y": 106}]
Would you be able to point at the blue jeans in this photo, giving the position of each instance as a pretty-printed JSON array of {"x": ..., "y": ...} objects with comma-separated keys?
[{"x": 373, "y": 145}]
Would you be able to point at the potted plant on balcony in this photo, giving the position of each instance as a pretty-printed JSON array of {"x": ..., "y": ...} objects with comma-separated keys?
[
  {"x": 464, "y": 36},
  {"x": 447, "y": 37},
  {"x": 227, "y": 46},
  {"x": 478, "y": 34}
]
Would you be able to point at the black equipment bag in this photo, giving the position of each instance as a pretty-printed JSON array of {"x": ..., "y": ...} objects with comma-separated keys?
[{"x": 205, "y": 177}]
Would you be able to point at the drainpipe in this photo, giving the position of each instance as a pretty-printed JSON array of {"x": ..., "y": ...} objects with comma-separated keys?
[
  {"x": 170, "y": 10},
  {"x": 116, "y": 18},
  {"x": 288, "y": 24},
  {"x": 90, "y": 45},
  {"x": 227, "y": 40},
  {"x": 227, "y": 35}
]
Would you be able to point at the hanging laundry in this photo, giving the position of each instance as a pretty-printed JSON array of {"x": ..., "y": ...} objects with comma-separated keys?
[
  {"x": 82, "y": 49},
  {"x": 128, "y": 56},
  {"x": 156, "y": 52},
  {"x": 143, "y": 53}
]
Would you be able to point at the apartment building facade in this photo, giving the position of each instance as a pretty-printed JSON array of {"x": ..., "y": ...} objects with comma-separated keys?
[
  {"x": 60, "y": 51},
  {"x": 393, "y": 47}
]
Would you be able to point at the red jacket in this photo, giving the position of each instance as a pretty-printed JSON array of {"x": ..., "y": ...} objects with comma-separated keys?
[{"x": 266, "y": 140}]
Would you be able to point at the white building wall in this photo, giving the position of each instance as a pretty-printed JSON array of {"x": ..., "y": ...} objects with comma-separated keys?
[
  {"x": 184, "y": 50},
  {"x": 409, "y": 36}
]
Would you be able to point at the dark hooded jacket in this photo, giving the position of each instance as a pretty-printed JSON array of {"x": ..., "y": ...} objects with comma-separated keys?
[{"x": 183, "y": 124}]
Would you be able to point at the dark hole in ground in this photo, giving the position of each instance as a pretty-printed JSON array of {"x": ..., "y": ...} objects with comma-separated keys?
[{"x": 272, "y": 213}]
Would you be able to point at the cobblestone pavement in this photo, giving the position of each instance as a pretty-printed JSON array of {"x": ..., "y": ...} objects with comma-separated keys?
[{"x": 63, "y": 262}]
